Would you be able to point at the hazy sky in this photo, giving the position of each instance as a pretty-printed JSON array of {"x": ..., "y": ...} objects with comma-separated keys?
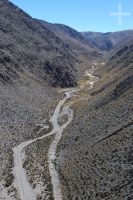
[{"x": 83, "y": 15}]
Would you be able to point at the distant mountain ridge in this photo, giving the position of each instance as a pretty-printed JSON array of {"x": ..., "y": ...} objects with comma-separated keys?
[
  {"x": 91, "y": 45},
  {"x": 108, "y": 41},
  {"x": 75, "y": 40}
]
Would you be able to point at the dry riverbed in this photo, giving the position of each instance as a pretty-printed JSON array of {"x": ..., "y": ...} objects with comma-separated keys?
[{"x": 34, "y": 159}]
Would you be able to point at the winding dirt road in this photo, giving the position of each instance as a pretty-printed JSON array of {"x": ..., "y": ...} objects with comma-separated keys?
[{"x": 22, "y": 184}]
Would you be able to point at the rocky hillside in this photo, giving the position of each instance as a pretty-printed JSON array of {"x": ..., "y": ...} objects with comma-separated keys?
[
  {"x": 108, "y": 41},
  {"x": 26, "y": 46},
  {"x": 76, "y": 41},
  {"x": 32, "y": 59},
  {"x": 95, "y": 155}
]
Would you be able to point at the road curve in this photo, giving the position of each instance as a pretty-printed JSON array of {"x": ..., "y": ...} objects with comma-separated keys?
[
  {"x": 22, "y": 184},
  {"x": 21, "y": 180}
]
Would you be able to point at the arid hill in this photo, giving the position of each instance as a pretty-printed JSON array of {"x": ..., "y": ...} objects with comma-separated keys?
[
  {"x": 76, "y": 41},
  {"x": 26, "y": 46},
  {"x": 108, "y": 41},
  {"x": 32, "y": 60},
  {"x": 95, "y": 153}
]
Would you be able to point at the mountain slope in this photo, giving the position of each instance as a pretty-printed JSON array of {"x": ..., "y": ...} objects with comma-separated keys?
[
  {"x": 32, "y": 59},
  {"x": 76, "y": 41},
  {"x": 108, "y": 41},
  {"x": 95, "y": 153},
  {"x": 28, "y": 46}
]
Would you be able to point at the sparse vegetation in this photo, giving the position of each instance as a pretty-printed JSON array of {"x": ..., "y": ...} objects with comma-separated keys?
[
  {"x": 36, "y": 165},
  {"x": 93, "y": 155}
]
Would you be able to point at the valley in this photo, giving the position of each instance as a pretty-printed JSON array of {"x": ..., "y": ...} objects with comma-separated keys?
[
  {"x": 21, "y": 183},
  {"x": 66, "y": 110}
]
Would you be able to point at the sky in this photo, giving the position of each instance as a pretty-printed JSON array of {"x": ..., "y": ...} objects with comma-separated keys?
[{"x": 82, "y": 15}]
